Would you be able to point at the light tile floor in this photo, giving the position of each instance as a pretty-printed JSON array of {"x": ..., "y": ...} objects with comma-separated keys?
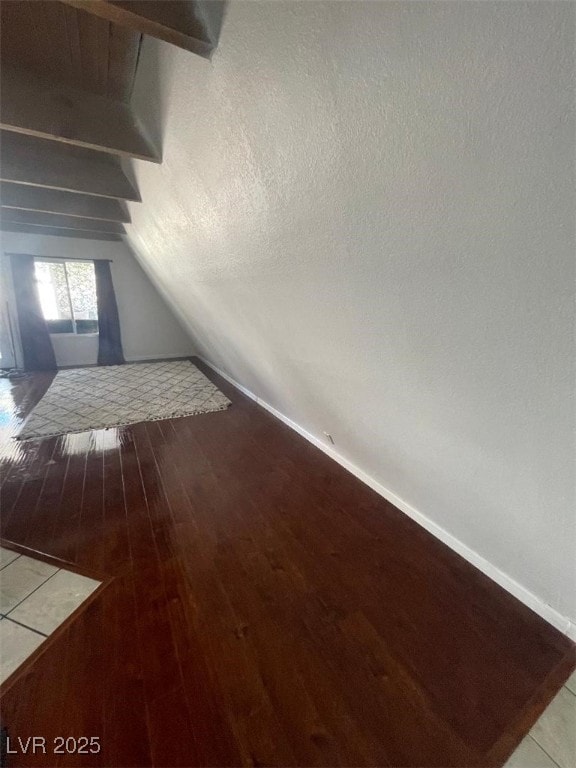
[
  {"x": 552, "y": 741},
  {"x": 555, "y": 731},
  {"x": 35, "y": 598}
]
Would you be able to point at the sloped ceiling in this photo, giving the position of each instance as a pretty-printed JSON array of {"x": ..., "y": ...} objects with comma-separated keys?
[
  {"x": 66, "y": 74},
  {"x": 364, "y": 216}
]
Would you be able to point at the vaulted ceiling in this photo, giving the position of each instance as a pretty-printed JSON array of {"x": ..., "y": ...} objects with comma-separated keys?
[{"x": 67, "y": 69}]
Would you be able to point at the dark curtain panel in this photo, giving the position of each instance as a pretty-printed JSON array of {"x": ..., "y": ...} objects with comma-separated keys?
[
  {"x": 36, "y": 343},
  {"x": 110, "y": 341}
]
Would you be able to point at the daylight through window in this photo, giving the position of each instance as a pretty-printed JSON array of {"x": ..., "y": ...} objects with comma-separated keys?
[{"x": 67, "y": 291}]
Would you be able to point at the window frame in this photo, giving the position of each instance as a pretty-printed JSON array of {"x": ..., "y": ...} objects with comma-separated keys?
[{"x": 63, "y": 261}]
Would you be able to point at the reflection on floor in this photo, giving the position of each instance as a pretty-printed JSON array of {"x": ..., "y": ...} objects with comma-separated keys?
[
  {"x": 263, "y": 608},
  {"x": 35, "y": 598}
]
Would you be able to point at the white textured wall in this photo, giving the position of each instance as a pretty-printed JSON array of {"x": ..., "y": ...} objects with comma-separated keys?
[
  {"x": 148, "y": 326},
  {"x": 365, "y": 215}
]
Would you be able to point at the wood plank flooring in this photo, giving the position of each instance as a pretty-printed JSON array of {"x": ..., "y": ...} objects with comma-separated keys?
[{"x": 265, "y": 607}]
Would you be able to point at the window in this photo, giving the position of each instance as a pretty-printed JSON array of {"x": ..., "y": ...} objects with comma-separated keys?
[{"x": 67, "y": 292}]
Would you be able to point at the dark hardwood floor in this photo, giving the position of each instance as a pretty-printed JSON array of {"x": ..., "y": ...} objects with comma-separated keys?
[{"x": 264, "y": 608}]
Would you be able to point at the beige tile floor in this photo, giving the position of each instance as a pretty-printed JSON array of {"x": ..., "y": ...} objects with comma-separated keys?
[
  {"x": 35, "y": 598},
  {"x": 552, "y": 741}
]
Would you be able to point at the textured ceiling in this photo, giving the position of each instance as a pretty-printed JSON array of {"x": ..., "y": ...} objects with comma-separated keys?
[{"x": 365, "y": 215}]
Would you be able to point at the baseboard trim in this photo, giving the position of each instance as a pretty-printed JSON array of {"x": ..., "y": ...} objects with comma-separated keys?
[
  {"x": 549, "y": 614},
  {"x": 135, "y": 360},
  {"x": 159, "y": 359}
]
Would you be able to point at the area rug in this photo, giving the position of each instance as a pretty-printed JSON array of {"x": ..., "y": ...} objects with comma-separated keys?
[{"x": 111, "y": 396}]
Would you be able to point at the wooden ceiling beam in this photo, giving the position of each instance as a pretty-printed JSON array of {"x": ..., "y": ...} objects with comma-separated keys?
[
  {"x": 48, "y": 38},
  {"x": 44, "y": 163},
  {"x": 39, "y": 107},
  {"x": 28, "y": 198},
  {"x": 179, "y": 22},
  {"x": 82, "y": 234},
  {"x": 32, "y": 218}
]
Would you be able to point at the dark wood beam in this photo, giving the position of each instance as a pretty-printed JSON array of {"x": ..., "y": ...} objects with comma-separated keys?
[
  {"x": 34, "y": 219},
  {"x": 40, "y": 107},
  {"x": 44, "y": 163},
  {"x": 81, "y": 234},
  {"x": 179, "y": 22},
  {"x": 45, "y": 37},
  {"x": 27, "y": 198}
]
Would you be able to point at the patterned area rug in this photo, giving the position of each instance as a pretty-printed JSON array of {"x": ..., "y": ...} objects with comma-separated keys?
[{"x": 115, "y": 395}]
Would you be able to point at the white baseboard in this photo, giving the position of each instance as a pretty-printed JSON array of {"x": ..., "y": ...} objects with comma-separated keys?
[
  {"x": 147, "y": 359},
  {"x": 175, "y": 356},
  {"x": 552, "y": 616}
]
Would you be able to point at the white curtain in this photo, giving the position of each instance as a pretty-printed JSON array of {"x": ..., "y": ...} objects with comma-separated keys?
[{"x": 10, "y": 350}]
